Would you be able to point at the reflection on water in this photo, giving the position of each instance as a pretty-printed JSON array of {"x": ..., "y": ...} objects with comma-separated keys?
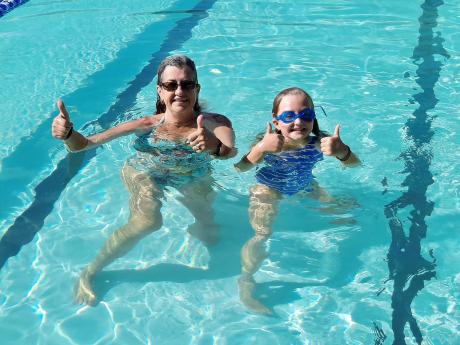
[
  {"x": 380, "y": 336},
  {"x": 407, "y": 266}
]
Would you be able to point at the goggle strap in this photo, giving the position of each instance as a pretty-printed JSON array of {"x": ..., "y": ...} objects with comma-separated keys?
[{"x": 324, "y": 112}]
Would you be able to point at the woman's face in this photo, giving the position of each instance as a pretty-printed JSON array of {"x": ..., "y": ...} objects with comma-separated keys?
[
  {"x": 299, "y": 129},
  {"x": 178, "y": 89}
]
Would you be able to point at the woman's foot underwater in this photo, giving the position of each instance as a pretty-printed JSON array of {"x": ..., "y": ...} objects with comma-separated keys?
[{"x": 84, "y": 292}]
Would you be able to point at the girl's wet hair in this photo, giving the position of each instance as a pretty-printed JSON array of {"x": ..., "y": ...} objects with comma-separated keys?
[
  {"x": 308, "y": 103},
  {"x": 179, "y": 61}
]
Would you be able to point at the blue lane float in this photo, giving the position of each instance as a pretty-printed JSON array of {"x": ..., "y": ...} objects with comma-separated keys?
[{"x": 8, "y": 5}]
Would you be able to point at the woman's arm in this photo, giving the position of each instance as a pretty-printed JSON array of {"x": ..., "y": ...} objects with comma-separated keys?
[
  {"x": 223, "y": 147},
  {"x": 62, "y": 128},
  {"x": 78, "y": 142}
]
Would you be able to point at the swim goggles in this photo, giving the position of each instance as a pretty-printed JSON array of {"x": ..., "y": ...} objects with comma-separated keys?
[{"x": 289, "y": 116}]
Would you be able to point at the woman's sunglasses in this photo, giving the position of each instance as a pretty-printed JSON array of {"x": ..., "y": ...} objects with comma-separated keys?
[{"x": 186, "y": 85}]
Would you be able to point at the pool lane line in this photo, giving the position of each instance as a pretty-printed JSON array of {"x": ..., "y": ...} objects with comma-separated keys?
[
  {"x": 405, "y": 261},
  {"x": 8, "y": 5},
  {"x": 26, "y": 225},
  {"x": 17, "y": 172}
]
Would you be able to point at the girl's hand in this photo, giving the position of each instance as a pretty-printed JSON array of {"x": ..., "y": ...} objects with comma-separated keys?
[
  {"x": 61, "y": 124},
  {"x": 199, "y": 139},
  {"x": 271, "y": 142},
  {"x": 333, "y": 145}
]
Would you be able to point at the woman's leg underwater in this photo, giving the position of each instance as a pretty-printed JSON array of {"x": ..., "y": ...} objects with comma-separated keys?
[
  {"x": 145, "y": 217},
  {"x": 198, "y": 197}
]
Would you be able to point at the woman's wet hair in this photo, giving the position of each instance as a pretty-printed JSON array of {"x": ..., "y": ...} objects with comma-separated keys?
[
  {"x": 308, "y": 103},
  {"x": 179, "y": 61}
]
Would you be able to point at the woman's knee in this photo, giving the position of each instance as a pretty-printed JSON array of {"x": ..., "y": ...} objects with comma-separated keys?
[{"x": 145, "y": 224}]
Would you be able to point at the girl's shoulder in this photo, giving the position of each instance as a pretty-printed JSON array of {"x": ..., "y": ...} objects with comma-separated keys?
[
  {"x": 312, "y": 139},
  {"x": 315, "y": 142}
]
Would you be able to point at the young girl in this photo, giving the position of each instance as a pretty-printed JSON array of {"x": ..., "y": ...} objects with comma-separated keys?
[{"x": 289, "y": 155}]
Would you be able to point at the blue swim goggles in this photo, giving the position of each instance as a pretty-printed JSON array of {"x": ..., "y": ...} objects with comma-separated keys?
[{"x": 289, "y": 116}]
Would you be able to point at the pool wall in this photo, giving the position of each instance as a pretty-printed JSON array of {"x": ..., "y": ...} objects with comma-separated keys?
[{"x": 9, "y": 5}]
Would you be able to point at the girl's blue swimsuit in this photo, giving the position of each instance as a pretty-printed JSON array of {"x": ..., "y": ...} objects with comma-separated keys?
[{"x": 290, "y": 172}]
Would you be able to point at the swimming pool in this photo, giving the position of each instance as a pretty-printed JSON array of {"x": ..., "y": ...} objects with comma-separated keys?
[{"x": 388, "y": 72}]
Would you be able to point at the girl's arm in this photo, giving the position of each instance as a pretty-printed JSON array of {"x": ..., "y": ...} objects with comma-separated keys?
[
  {"x": 271, "y": 142},
  {"x": 334, "y": 146},
  {"x": 349, "y": 158},
  {"x": 250, "y": 159}
]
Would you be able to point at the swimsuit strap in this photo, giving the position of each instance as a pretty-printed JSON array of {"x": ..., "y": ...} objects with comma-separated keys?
[
  {"x": 155, "y": 126},
  {"x": 162, "y": 120}
]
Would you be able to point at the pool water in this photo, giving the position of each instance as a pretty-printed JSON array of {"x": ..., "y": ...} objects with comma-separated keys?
[{"x": 379, "y": 268}]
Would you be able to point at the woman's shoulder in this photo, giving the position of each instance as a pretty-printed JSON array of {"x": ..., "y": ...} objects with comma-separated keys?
[
  {"x": 151, "y": 120},
  {"x": 216, "y": 118},
  {"x": 146, "y": 123}
]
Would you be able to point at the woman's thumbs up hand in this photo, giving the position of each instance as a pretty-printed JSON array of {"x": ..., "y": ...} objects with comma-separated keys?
[{"x": 61, "y": 125}]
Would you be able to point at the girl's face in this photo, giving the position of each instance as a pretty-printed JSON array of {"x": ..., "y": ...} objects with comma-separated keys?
[
  {"x": 299, "y": 129},
  {"x": 178, "y": 89}
]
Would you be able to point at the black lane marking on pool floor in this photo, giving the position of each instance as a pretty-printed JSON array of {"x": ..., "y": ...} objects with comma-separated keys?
[
  {"x": 407, "y": 266},
  {"x": 48, "y": 191}
]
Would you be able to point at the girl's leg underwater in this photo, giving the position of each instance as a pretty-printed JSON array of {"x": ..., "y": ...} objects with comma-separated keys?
[{"x": 263, "y": 208}]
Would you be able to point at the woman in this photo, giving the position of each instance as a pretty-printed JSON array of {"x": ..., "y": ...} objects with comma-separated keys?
[{"x": 174, "y": 147}]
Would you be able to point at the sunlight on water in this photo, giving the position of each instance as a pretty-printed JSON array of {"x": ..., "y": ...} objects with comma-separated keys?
[{"x": 359, "y": 270}]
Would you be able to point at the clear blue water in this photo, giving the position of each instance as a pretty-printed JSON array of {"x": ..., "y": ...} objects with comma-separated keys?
[{"x": 388, "y": 72}]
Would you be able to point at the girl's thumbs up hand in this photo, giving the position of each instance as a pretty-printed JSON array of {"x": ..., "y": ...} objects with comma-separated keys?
[
  {"x": 271, "y": 142},
  {"x": 333, "y": 145}
]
